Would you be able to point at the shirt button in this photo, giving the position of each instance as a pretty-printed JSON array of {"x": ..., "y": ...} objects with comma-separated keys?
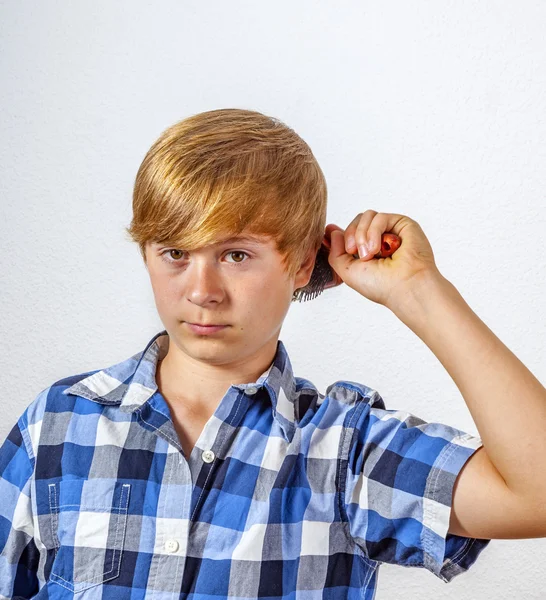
[
  {"x": 251, "y": 390},
  {"x": 208, "y": 456},
  {"x": 171, "y": 545}
]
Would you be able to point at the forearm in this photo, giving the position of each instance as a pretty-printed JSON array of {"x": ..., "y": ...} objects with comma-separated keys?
[{"x": 506, "y": 401}]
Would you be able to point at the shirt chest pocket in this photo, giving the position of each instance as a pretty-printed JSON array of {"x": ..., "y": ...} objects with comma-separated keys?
[{"x": 88, "y": 525}]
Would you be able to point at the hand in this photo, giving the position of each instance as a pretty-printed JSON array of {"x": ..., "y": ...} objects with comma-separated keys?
[{"x": 382, "y": 280}]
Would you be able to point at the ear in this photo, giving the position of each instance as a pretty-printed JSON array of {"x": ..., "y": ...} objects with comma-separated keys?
[
  {"x": 145, "y": 257},
  {"x": 306, "y": 269}
]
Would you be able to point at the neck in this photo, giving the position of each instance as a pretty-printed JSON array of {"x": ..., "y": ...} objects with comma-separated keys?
[{"x": 201, "y": 386}]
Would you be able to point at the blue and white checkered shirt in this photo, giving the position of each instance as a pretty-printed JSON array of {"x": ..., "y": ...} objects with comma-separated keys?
[{"x": 288, "y": 493}]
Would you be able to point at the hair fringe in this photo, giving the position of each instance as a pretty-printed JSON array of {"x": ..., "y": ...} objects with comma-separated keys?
[{"x": 218, "y": 173}]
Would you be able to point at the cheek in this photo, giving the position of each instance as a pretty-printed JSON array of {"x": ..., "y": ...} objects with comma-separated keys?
[
  {"x": 272, "y": 302},
  {"x": 165, "y": 290}
]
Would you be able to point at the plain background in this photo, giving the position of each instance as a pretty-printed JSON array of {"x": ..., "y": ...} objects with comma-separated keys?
[{"x": 430, "y": 109}]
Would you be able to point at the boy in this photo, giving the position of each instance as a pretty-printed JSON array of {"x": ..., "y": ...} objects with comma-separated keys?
[{"x": 202, "y": 467}]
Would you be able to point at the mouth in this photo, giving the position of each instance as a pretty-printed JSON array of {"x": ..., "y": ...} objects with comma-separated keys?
[{"x": 205, "y": 329}]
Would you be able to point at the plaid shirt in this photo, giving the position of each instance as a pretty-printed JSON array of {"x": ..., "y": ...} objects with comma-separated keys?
[{"x": 288, "y": 493}]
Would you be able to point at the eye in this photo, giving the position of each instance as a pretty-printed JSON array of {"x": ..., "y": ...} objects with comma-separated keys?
[
  {"x": 181, "y": 253},
  {"x": 238, "y": 252},
  {"x": 169, "y": 260}
]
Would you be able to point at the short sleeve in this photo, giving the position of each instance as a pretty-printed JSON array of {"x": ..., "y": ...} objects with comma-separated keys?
[
  {"x": 19, "y": 556},
  {"x": 399, "y": 482}
]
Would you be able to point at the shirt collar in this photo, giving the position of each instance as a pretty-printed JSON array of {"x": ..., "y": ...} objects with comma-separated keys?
[{"x": 131, "y": 382}]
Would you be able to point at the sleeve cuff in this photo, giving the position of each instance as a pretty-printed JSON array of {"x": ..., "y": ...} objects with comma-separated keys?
[{"x": 448, "y": 555}]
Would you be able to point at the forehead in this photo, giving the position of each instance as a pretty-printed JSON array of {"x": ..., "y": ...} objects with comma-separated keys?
[{"x": 246, "y": 237}]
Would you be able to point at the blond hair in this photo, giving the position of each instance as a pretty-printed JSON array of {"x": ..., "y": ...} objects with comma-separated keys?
[{"x": 217, "y": 173}]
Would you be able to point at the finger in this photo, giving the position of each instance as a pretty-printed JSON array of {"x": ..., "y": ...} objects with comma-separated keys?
[
  {"x": 372, "y": 236},
  {"x": 380, "y": 224},
  {"x": 328, "y": 232},
  {"x": 355, "y": 234}
]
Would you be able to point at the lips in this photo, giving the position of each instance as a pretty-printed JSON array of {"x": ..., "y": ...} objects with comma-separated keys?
[{"x": 206, "y": 330}]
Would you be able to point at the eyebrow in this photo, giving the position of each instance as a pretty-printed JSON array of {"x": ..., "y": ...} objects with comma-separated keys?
[{"x": 251, "y": 239}]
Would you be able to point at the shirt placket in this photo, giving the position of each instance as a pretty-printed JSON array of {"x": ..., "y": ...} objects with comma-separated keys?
[{"x": 175, "y": 514}]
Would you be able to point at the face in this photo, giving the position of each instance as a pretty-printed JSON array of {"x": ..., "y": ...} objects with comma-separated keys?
[{"x": 239, "y": 282}]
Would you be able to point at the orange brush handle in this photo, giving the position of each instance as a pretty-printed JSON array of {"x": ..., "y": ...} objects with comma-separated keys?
[{"x": 389, "y": 245}]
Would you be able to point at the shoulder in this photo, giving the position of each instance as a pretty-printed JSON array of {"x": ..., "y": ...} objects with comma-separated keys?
[
  {"x": 352, "y": 394},
  {"x": 50, "y": 405},
  {"x": 53, "y": 398},
  {"x": 342, "y": 403}
]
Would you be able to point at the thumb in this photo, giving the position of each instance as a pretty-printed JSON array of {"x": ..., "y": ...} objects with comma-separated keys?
[{"x": 339, "y": 259}]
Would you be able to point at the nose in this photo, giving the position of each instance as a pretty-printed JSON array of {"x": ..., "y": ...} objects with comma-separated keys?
[{"x": 203, "y": 282}]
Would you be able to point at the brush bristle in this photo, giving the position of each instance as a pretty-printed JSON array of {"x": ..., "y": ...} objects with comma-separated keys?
[{"x": 321, "y": 275}]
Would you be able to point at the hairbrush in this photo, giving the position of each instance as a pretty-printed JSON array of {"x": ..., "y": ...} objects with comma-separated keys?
[{"x": 324, "y": 277}]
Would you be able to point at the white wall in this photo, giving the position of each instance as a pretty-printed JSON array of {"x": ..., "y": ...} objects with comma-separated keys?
[{"x": 430, "y": 109}]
